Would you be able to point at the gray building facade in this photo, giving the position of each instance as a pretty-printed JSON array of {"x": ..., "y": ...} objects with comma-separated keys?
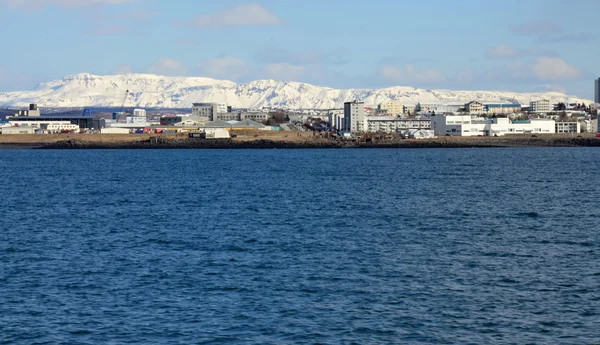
[
  {"x": 206, "y": 111},
  {"x": 354, "y": 116},
  {"x": 597, "y": 90}
]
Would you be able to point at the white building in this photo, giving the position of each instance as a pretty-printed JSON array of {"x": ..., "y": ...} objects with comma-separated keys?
[
  {"x": 43, "y": 124},
  {"x": 354, "y": 116},
  {"x": 221, "y": 107},
  {"x": 540, "y": 106},
  {"x": 465, "y": 125},
  {"x": 410, "y": 108},
  {"x": 336, "y": 118},
  {"x": 139, "y": 112},
  {"x": 568, "y": 127},
  {"x": 392, "y": 124},
  {"x": 17, "y": 130}
]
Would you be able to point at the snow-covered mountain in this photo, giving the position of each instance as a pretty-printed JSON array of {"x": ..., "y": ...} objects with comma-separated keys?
[{"x": 152, "y": 91}]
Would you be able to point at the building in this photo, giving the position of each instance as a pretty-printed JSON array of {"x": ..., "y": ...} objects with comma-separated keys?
[
  {"x": 17, "y": 130},
  {"x": 33, "y": 111},
  {"x": 393, "y": 124},
  {"x": 568, "y": 127},
  {"x": 354, "y": 116},
  {"x": 391, "y": 108},
  {"x": 597, "y": 90},
  {"x": 139, "y": 113},
  {"x": 46, "y": 122},
  {"x": 502, "y": 108},
  {"x": 222, "y": 108},
  {"x": 465, "y": 125},
  {"x": 337, "y": 120},
  {"x": 254, "y": 116},
  {"x": 410, "y": 109},
  {"x": 474, "y": 107},
  {"x": 228, "y": 116},
  {"x": 419, "y": 134},
  {"x": 206, "y": 111},
  {"x": 540, "y": 106}
]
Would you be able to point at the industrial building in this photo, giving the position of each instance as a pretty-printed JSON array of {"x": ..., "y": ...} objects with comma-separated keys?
[
  {"x": 17, "y": 130},
  {"x": 33, "y": 111},
  {"x": 48, "y": 122}
]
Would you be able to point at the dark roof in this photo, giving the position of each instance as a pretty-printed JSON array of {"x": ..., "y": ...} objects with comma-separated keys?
[{"x": 49, "y": 117}]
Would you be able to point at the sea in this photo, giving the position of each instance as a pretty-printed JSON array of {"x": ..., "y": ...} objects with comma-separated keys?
[{"x": 340, "y": 246}]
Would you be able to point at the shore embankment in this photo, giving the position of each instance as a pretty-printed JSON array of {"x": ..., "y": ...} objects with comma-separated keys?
[{"x": 99, "y": 141}]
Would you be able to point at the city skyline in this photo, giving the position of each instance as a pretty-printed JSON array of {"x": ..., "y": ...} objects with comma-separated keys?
[{"x": 467, "y": 45}]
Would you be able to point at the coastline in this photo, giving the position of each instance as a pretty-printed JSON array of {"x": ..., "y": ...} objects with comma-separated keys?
[
  {"x": 80, "y": 141},
  {"x": 158, "y": 143}
]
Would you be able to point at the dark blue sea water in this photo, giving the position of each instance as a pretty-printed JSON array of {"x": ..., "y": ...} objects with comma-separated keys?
[{"x": 442, "y": 246}]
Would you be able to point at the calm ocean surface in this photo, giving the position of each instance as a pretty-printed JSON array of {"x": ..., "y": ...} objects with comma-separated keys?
[{"x": 441, "y": 246}]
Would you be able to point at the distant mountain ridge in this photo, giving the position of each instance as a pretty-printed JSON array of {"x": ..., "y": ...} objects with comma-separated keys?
[{"x": 153, "y": 91}]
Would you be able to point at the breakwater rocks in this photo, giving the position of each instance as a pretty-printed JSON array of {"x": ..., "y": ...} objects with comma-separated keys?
[{"x": 455, "y": 142}]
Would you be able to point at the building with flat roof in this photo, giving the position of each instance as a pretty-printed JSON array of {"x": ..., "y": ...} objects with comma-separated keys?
[
  {"x": 502, "y": 108},
  {"x": 32, "y": 111},
  {"x": 354, "y": 116},
  {"x": 206, "y": 111},
  {"x": 568, "y": 127},
  {"x": 540, "y": 106},
  {"x": 393, "y": 124},
  {"x": 391, "y": 108},
  {"x": 474, "y": 107},
  {"x": 43, "y": 122},
  {"x": 465, "y": 125},
  {"x": 597, "y": 90}
]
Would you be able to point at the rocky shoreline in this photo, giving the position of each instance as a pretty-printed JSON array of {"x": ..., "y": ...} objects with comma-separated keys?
[{"x": 162, "y": 143}]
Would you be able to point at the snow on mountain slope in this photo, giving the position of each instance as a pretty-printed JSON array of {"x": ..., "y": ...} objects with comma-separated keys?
[{"x": 152, "y": 91}]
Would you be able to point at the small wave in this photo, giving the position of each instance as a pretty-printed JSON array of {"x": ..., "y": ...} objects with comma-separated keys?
[{"x": 528, "y": 214}]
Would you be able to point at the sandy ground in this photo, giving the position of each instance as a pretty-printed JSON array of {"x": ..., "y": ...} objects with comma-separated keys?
[{"x": 242, "y": 136}]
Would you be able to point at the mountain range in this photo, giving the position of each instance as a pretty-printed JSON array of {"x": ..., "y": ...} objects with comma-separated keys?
[{"x": 153, "y": 91}]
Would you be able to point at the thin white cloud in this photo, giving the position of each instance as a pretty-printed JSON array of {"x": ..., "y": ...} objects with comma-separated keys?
[
  {"x": 554, "y": 69},
  {"x": 283, "y": 71},
  {"x": 502, "y": 51},
  {"x": 34, "y": 4},
  {"x": 538, "y": 27},
  {"x": 251, "y": 14},
  {"x": 224, "y": 67},
  {"x": 123, "y": 69},
  {"x": 546, "y": 31},
  {"x": 168, "y": 67},
  {"x": 410, "y": 74}
]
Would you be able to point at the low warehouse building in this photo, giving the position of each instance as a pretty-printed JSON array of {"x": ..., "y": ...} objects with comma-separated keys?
[
  {"x": 115, "y": 130},
  {"x": 17, "y": 130}
]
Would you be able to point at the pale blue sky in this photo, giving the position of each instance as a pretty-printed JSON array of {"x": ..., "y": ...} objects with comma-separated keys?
[{"x": 526, "y": 45}]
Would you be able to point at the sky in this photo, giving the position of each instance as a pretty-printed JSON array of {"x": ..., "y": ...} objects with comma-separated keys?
[{"x": 508, "y": 45}]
